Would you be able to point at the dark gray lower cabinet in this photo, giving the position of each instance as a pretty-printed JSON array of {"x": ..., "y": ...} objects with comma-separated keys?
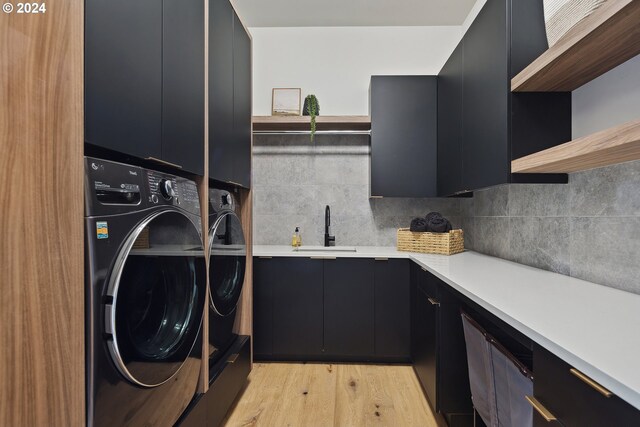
[
  {"x": 438, "y": 348},
  {"x": 392, "y": 316},
  {"x": 287, "y": 307},
  {"x": 348, "y": 308},
  {"x": 571, "y": 400},
  {"x": 331, "y": 309}
]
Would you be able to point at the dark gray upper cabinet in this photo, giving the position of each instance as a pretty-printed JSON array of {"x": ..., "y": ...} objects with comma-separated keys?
[
  {"x": 482, "y": 125},
  {"x": 404, "y": 136},
  {"x": 450, "y": 124},
  {"x": 241, "y": 104},
  {"x": 123, "y": 76},
  {"x": 220, "y": 90},
  {"x": 229, "y": 96},
  {"x": 183, "y": 84},
  {"x": 144, "y": 79}
]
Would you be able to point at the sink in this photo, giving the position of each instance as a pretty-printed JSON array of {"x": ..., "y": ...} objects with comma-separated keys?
[{"x": 325, "y": 249}]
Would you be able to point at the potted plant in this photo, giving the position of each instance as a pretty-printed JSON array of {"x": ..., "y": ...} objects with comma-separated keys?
[{"x": 311, "y": 108}]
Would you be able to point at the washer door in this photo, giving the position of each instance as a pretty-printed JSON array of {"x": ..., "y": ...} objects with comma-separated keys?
[
  {"x": 227, "y": 263},
  {"x": 158, "y": 288}
]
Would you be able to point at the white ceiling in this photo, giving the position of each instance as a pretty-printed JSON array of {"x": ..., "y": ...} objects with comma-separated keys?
[{"x": 346, "y": 13}]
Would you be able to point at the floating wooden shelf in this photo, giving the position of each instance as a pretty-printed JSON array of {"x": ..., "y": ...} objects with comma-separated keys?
[
  {"x": 302, "y": 123},
  {"x": 603, "y": 40},
  {"x": 615, "y": 145}
]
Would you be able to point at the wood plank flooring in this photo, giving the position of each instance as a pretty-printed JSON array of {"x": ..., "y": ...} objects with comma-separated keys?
[{"x": 327, "y": 395}]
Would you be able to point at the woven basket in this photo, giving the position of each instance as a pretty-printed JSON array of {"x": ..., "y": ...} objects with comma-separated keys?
[{"x": 431, "y": 243}]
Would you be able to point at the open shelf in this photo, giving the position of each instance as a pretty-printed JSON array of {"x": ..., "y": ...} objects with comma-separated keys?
[
  {"x": 615, "y": 145},
  {"x": 302, "y": 123},
  {"x": 603, "y": 40}
]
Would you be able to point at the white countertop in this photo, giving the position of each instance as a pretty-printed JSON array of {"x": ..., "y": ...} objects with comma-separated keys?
[{"x": 592, "y": 327}]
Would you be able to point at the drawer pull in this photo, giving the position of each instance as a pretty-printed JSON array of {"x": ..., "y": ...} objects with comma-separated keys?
[
  {"x": 163, "y": 162},
  {"x": 591, "y": 383},
  {"x": 322, "y": 257},
  {"x": 381, "y": 259},
  {"x": 423, "y": 269},
  {"x": 544, "y": 412},
  {"x": 233, "y": 358},
  {"x": 433, "y": 302},
  {"x": 265, "y": 257}
]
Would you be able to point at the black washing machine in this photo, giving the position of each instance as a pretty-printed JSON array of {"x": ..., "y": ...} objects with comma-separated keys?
[
  {"x": 145, "y": 292},
  {"x": 227, "y": 264}
]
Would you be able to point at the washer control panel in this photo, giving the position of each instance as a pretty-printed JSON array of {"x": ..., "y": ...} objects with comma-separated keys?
[{"x": 165, "y": 189}]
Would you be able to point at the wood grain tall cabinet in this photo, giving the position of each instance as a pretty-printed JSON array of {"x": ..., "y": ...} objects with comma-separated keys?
[{"x": 42, "y": 373}]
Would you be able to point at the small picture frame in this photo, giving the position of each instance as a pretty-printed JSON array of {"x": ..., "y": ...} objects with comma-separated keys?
[{"x": 286, "y": 101}]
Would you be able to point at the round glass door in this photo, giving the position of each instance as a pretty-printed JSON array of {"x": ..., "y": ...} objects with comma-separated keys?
[
  {"x": 227, "y": 263},
  {"x": 158, "y": 289}
]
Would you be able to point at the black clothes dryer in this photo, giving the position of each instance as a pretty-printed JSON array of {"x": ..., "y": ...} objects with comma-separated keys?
[
  {"x": 227, "y": 263},
  {"x": 145, "y": 294}
]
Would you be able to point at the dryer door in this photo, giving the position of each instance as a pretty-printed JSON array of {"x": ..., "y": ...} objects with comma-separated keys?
[
  {"x": 156, "y": 298},
  {"x": 227, "y": 262}
]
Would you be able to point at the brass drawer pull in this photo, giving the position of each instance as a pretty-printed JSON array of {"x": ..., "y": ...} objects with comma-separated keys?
[
  {"x": 163, "y": 162},
  {"x": 265, "y": 257},
  {"x": 433, "y": 301},
  {"x": 544, "y": 412},
  {"x": 591, "y": 383},
  {"x": 381, "y": 259},
  {"x": 233, "y": 358},
  {"x": 376, "y": 197},
  {"x": 423, "y": 269},
  {"x": 322, "y": 257}
]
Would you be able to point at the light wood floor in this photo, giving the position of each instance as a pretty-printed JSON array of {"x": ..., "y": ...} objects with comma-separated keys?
[{"x": 319, "y": 395}]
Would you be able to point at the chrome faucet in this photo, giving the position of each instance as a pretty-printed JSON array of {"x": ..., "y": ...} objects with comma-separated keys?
[{"x": 328, "y": 239}]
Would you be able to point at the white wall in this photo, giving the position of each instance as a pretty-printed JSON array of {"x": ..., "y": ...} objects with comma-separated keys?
[
  {"x": 336, "y": 63},
  {"x": 611, "y": 99}
]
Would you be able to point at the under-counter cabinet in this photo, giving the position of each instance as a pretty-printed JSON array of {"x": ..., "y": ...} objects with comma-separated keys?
[
  {"x": 403, "y": 112},
  {"x": 572, "y": 398},
  {"x": 229, "y": 96},
  {"x": 482, "y": 126},
  {"x": 331, "y": 309},
  {"x": 439, "y": 352},
  {"x": 144, "y": 79}
]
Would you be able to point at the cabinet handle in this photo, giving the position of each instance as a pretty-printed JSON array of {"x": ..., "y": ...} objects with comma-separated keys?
[
  {"x": 265, "y": 257},
  {"x": 423, "y": 269},
  {"x": 433, "y": 302},
  {"x": 235, "y": 183},
  {"x": 544, "y": 412},
  {"x": 376, "y": 197},
  {"x": 381, "y": 259},
  {"x": 163, "y": 162},
  {"x": 233, "y": 358},
  {"x": 591, "y": 383},
  {"x": 322, "y": 257}
]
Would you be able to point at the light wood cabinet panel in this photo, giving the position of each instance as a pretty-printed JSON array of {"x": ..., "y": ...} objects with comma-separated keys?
[{"x": 42, "y": 361}]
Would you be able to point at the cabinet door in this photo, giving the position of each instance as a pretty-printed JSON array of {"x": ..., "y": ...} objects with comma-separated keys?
[
  {"x": 392, "y": 309},
  {"x": 450, "y": 124},
  {"x": 241, "y": 149},
  {"x": 297, "y": 307},
  {"x": 123, "y": 76},
  {"x": 183, "y": 84},
  {"x": 485, "y": 107},
  {"x": 425, "y": 343},
  {"x": 220, "y": 90},
  {"x": 266, "y": 272},
  {"x": 403, "y": 136},
  {"x": 348, "y": 307},
  {"x": 572, "y": 400}
]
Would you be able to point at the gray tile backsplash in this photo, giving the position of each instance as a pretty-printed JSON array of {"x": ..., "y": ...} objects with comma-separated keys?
[
  {"x": 295, "y": 179},
  {"x": 589, "y": 228}
]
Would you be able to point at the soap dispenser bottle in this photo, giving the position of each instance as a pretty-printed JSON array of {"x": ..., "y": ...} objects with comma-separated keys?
[{"x": 295, "y": 240}]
